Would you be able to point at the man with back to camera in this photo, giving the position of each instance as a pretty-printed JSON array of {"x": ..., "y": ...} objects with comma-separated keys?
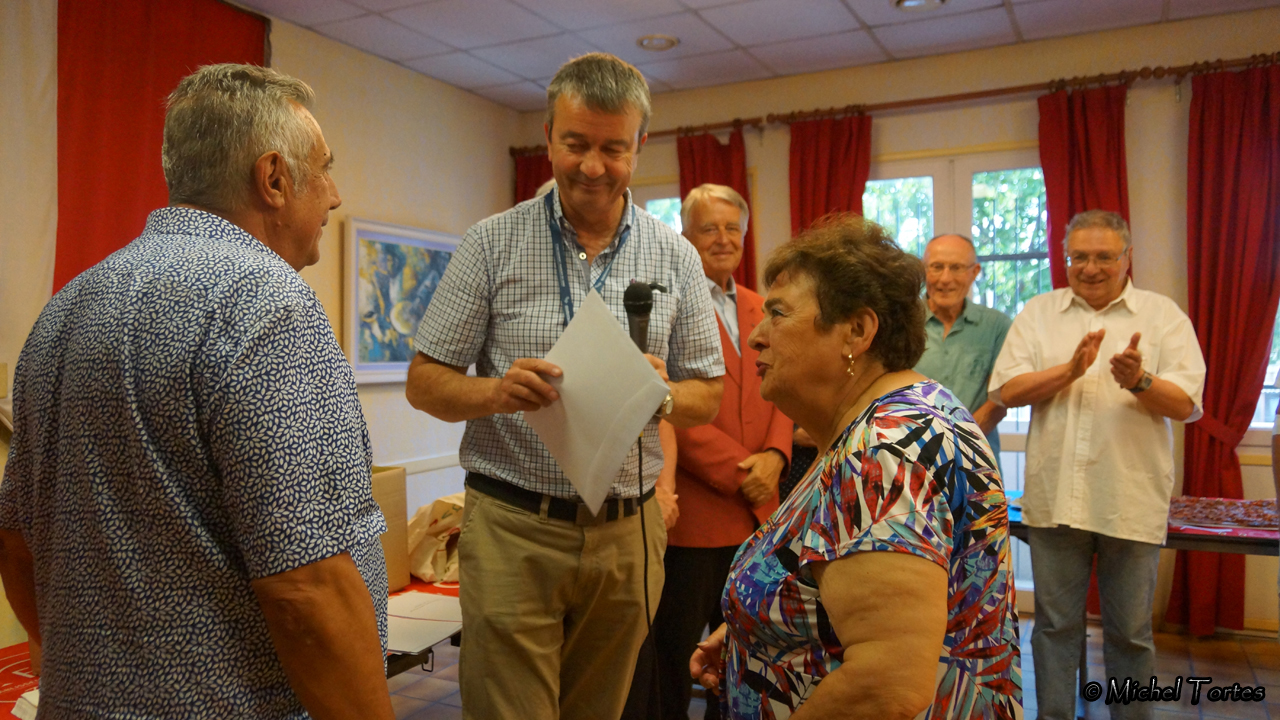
[
  {"x": 553, "y": 598},
  {"x": 189, "y": 524},
  {"x": 964, "y": 337},
  {"x": 727, "y": 472},
  {"x": 1099, "y": 453}
]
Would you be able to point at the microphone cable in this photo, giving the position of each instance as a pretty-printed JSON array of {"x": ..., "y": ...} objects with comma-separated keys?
[{"x": 644, "y": 532}]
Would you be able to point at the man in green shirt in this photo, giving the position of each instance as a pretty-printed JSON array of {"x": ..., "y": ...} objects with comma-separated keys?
[{"x": 964, "y": 337}]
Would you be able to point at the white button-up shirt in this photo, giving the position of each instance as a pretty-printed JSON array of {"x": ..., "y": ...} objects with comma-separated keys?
[
  {"x": 1097, "y": 459},
  {"x": 726, "y": 304}
]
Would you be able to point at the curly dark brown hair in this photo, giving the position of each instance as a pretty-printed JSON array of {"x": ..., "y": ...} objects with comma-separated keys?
[{"x": 855, "y": 264}]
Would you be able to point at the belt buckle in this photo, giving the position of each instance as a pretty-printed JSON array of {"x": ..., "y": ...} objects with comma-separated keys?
[{"x": 586, "y": 519}]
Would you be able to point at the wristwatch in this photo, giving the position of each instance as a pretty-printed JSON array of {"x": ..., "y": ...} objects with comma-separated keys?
[
  {"x": 1143, "y": 384},
  {"x": 668, "y": 405}
]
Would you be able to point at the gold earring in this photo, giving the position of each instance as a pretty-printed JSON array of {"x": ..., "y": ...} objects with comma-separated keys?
[{"x": 851, "y": 365}]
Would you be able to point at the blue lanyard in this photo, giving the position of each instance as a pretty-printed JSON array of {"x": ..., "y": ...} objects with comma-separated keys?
[{"x": 562, "y": 268}]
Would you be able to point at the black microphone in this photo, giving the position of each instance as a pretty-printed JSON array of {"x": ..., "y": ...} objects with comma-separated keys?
[{"x": 638, "y": 301}]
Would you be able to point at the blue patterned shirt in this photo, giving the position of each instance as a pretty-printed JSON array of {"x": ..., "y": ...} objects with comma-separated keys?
[
  {"x": 499, "y": 301},
  {"x": 185, "y": 422}
]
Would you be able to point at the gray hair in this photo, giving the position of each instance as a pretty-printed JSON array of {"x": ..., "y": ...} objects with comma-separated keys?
[
  {"x": 220, "y": 120},
  {"x": 1104, "y": 219},
  {"x": 604, "y": 83},
  {"x": 707, "y": 192}
]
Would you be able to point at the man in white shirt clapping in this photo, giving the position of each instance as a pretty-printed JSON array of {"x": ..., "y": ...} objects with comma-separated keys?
[{"x": 1104, "y": 367}]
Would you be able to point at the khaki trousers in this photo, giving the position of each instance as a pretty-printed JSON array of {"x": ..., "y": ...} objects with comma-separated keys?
[{"x": 552, "y": 613}]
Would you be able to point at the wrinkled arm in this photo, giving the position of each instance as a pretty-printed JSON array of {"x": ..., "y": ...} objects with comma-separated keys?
[
  {"x": 322, "y": 623},
  {"x": 18, "y": 573},
  {"x": 1033, "y": 387},
  {"x": 697, "y": 400},
  {"x": 890, "y": 611},
  {"x": 1165, "y": 398},
  {"x": 664, "y": 491}
]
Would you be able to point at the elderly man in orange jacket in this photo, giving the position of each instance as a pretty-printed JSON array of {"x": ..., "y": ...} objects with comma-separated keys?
[{"x": 728, "y": 471}]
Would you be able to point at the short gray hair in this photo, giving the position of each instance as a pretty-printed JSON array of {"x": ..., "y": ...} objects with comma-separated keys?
[
  {"x": 1104, "y": 219},
  {"x": 603, "y": 83},
  {"x": 220, "y": 120},
  {"x": 710, "y": 191}
]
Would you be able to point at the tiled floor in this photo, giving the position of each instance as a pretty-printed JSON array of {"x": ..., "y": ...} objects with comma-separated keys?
[{"x": 419, "y": 695}]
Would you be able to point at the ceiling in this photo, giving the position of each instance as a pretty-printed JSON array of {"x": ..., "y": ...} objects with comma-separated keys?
[{"x": 508, "y": 50}]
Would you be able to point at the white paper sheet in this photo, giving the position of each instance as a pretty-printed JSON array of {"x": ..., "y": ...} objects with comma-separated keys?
[
  {"x": 418, "y": 620},
  {"x": 406, "y": 635},
  {"x": 607, "y": 394},
  {"x": 425, "y": 606}
]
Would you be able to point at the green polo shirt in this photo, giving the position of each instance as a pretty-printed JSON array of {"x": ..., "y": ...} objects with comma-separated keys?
[{"x": 962, "y": 361}]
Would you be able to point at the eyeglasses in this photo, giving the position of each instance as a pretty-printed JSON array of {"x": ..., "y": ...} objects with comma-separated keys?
[
  {"x": 939, "y": 268},
  {"x": 1102, "y": 260}
]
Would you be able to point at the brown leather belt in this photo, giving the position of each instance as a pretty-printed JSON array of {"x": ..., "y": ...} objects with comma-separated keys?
[{"x": 554, "y": 507}]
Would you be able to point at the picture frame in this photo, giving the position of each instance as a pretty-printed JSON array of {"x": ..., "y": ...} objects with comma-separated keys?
[{"x": 391, "y": 273}]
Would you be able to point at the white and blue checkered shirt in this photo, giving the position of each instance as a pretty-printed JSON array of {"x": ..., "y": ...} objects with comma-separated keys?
[{"x": 499, "y": 301}]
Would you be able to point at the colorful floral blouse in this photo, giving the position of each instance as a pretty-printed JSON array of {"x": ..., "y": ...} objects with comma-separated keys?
[{"x": 913, "y": 474}]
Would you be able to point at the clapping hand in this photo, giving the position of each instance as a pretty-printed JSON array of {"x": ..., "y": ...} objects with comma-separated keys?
[
  {"x": 1126, "y": 366},
  {"x": 1086, "y": 352}
]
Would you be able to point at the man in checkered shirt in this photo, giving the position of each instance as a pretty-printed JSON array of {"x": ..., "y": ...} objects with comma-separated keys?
[{"x": 553, "y": 598}]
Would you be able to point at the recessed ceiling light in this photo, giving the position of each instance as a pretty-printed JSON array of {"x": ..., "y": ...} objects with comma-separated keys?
[
  {"x": 917, "y": 5},
  {"x": 658, "y": 43}
]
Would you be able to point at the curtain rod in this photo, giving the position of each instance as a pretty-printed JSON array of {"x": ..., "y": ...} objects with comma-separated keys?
[{"x": 1124, "y": 77}]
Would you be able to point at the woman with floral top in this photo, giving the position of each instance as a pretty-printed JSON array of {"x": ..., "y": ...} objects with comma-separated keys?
[{"x": 882, "y": 587}]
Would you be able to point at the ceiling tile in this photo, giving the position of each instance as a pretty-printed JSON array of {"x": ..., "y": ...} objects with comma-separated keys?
[
  {"x": 522, "y": 96},
  {"x": 536, "y": 58},
  {"x": 1179, "y": 9},
  {"x": 704, "y": 70},
  {"x": 1055, "y": 18},
  {"x": 385, "y": 5},
  {"x": 579, "y": 14},
  {"x": 820, "y": 53},
  {"x": 473, "y": 23},
  {"x": 764, "y": 21},
  {"x": 985, "y": 28},
  {"x": 306, "y": 12},
  {"x": 380, "y": 36},
  {"x": 462, "y": 70},
  {"x": 883, "y": 12},
  {"x": 702, "y": 4},
  {"x": 696, "y": 38}
]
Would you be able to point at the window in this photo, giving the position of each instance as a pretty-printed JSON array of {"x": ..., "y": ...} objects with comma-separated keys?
[
  {"x": 1264, "y": 415},
  {"x": 1009, "y": 233},
  {"x": 667, "y": 210},
  {"x": 904, "y": 207}
]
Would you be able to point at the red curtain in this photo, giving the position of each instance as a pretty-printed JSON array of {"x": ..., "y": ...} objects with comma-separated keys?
[
  {"x": 1233, "y": 264},
  {"x": 117, "y": 62},
  {"x": 1082, "y": 155},
  {"x": 704, "y": 160},
  {"x": 531, "y": 172},
  {"x": 830, "y": 163}
]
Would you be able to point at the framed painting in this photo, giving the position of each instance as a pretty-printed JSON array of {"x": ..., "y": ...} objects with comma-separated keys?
[{"x": 391, "y": 273}]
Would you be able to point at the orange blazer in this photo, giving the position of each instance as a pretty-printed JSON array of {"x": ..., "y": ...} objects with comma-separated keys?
[{"x": 713, "y": 513}]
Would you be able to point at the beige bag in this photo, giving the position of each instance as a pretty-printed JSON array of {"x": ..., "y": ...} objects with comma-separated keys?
[{"x": 433, "y": 539}]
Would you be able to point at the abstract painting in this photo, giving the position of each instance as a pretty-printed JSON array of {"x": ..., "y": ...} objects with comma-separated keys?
[{"x": 392, "y": 273}]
